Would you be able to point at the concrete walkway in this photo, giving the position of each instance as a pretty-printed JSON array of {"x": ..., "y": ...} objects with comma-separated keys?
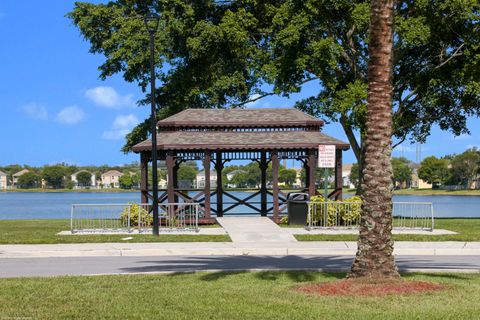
[
  {"x": 318, "y": 248},
  {"x": 254, "y": 229}
]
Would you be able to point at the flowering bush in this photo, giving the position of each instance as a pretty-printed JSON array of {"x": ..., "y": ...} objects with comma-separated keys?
[
  {"x": 332, "y": 214},
  {"x": 135, "y": 210}
]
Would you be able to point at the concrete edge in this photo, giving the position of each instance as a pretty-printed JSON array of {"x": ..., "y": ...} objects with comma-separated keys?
[
  {"x": 324, "y": 270},
  {"x": 224, "y": 251}
]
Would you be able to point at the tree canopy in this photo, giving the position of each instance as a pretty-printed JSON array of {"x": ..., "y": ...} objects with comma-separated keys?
[
  {"x": 434, "y": 170},
  {"x": 29, "y": 180},
  {"x": 213, "y": 54},
  {"x": 84, "y": 178},
  {"x": 465, "y": 167},
  {"x": 54, "y": 175},
  {"x": 402, "y": 173}
]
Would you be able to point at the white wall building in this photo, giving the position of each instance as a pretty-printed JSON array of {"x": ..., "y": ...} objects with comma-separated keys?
[
  {"x": 110, "y": 179},
  {"x": 17, "y": 175},
  {"x": 200, "y": 180},
  {"x": 346, "y": 170},
  {"x": 3, "y": 180}
]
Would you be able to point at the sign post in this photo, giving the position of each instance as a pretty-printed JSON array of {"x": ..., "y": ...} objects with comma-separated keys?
[{"x": 326, "y": 160}]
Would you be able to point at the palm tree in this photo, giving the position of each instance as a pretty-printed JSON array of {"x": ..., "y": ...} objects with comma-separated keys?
[{"x": 375, "y": 245}]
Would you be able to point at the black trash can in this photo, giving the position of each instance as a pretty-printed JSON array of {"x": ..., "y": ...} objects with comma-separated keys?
[{"x": 297, "y": 206}]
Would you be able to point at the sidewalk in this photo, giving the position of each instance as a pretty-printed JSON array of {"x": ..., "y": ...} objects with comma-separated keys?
[{"x": 228, "y": 249}]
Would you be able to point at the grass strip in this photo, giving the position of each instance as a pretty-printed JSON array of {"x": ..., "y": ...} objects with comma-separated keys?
[
  {"x": 467, "y": 230},
  {"x": 45, "y": 232},
  {"x": 242, "y": 295}
]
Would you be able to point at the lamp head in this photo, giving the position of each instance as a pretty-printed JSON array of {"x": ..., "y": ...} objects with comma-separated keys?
[{"x": 152, "y": 21}]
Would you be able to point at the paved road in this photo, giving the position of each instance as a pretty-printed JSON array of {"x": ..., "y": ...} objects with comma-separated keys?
[{"x": 25, "y": 267}]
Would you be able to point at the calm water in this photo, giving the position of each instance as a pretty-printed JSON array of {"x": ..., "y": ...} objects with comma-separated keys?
[{"x": 19, "y": 205}]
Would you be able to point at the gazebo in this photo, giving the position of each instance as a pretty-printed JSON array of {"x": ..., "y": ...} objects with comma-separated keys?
[{"x": 216, "y": 136}]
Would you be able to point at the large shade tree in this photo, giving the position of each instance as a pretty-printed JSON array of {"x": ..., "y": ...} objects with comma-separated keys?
[
  {"x": 214, "y": 54},
  {"x": 374, "y": 257}
]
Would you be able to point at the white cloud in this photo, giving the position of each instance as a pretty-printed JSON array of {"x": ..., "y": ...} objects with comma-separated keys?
[
  {"x": 109, "y": 97},
  {"x": 121, "y": 126},
  {"x": 402, "y": 148},
  {"x": 471, "y": 146},
  {"x": 252, "y": 104},
  {"x": 35, "y": 111},
  {"x": 70, "y": 115},
  {"x": 462, "y": 137}
]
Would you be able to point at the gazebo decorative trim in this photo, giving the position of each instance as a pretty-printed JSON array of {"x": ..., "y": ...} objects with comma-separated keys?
[{"x": 217, "y": 136}]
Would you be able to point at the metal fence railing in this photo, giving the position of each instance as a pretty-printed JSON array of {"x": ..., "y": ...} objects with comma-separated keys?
[
  {"x": 174, "y": 216},
  {"x": 337, "y": 214},
  {"x": 132, "y": 217},
  {"x": 413, "y": 215}
]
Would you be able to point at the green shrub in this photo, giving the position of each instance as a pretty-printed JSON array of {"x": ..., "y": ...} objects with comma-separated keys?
[
  {"x": 335, "y": 214},
  {"x": 135, "y": 209}
]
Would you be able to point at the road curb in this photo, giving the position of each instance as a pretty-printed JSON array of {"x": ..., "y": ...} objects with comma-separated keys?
[{"x": 224, "y": 251}]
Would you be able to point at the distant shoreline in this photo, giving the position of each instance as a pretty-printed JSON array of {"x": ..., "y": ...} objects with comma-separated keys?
[
  {"x": 407, "y": 192},
  {"x": 68, "y": 190},
  {"x": 430, "y": 192}
]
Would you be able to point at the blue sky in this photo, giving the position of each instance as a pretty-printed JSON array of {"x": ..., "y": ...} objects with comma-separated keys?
[{"x": 54, "y": 108}]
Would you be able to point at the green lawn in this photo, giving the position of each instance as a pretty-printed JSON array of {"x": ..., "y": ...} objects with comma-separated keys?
[
  {"x": 430, "y": 192},
  {"x": 45, "y": 231},
  {"x": 467, "y": 229},
  {"x": 258, "y": 295}
]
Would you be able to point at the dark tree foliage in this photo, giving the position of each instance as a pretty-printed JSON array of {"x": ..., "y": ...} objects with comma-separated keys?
[
  {"x": 465, "y": 167},
  {"x": 434, "y": 171},
  {"x": 84, "y": 179},
  {"x": 29, "y": 180},
  {"x": 213, "y": 54},
  {"x": 54, "y": 175},
  {"x": 402, "y": 172}
]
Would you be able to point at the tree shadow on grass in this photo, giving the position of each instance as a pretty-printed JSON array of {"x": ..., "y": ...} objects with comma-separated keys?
[
  {"x": 214, "y": 276},
  {"x": 449, "y": 276}
]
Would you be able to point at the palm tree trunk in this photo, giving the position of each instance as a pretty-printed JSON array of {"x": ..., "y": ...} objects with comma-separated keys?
[{"x": 375, "y": 245}]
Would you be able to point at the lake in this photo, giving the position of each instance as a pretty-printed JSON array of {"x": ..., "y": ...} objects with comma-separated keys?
[{"x": 52, "y": 205}]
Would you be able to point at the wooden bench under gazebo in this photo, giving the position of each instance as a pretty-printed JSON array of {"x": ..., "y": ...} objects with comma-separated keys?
[{"x": 216, "y": 136}]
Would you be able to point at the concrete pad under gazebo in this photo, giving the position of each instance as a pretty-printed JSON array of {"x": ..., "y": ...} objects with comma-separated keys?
[{"x": 220, "y": 135}]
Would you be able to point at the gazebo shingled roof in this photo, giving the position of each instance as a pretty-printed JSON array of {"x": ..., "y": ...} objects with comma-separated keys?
[
  {"x": 174, "y": 133},
  {"x": 233, "y": 140},
  {"x": 265, "y": 117}
]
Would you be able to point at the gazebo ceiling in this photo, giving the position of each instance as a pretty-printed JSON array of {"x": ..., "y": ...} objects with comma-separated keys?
[
  {"x": 240, "y": 118},
  {"x": 239, "y": 140}
]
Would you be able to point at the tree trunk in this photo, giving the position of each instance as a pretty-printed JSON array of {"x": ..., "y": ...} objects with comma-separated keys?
[{"x": 375, "y": 245}]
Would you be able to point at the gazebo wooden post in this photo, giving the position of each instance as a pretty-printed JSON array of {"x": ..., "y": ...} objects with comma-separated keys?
[
  {"x": 338, "y": 174},
  {"x": 312, "y": 188},
  {"x": 176, "y": 166},
  {"x": 206, "y": 167},
  {"x": 307, "y": 174},
  {"x": 143, "y": 177},
  {"x": 219, "y": 168},
  {"x": 275, "y": 165},
  {"x": 170, "y": 162},
  {"x": 263, "y": 186}
]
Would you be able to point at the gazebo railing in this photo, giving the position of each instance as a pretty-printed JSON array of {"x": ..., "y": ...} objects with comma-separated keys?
[
  {"x": 132, "y": 218},
  {"x": 337, "y": 214}
]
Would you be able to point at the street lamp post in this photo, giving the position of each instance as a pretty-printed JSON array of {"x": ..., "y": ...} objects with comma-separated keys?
[{"x": 151, "y": 23}]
